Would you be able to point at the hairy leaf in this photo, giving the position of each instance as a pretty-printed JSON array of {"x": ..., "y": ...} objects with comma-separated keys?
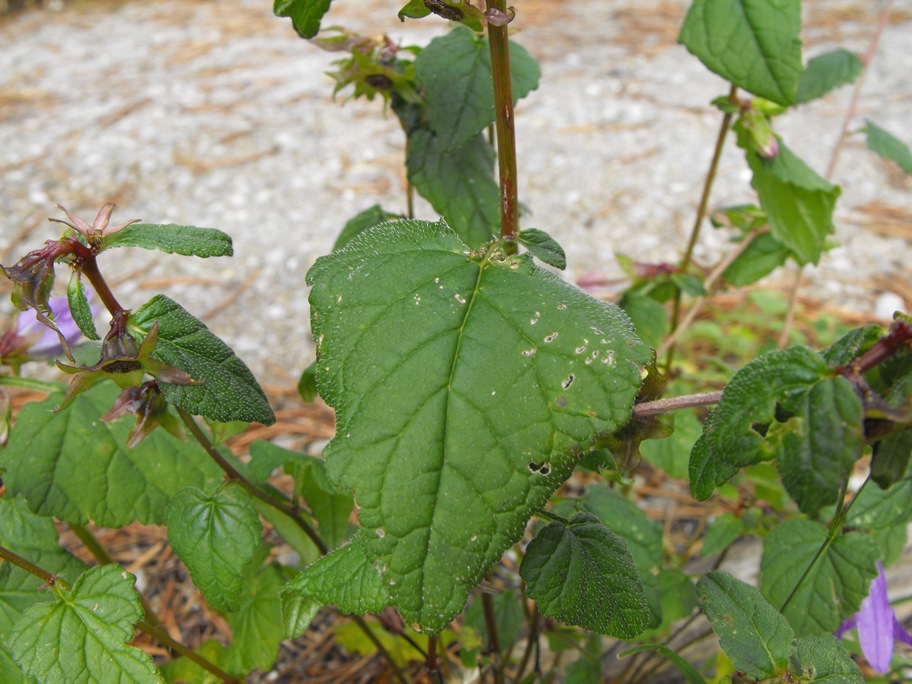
[
  {"x": 822, "y": 659},
  {"x": 455, "y": 70},
  {"x": 75, "y": 467},
  {"x": 543, "y": 247},
  {"x": 346, "y": 579},
  {"x": 642, "y": 535},
  {"x": 80, "y": 637},
  {"x": 458, "y": 183},
  {"x": 79, "y": 306},
  {"x": 173, "y": 239},
  {"x": 827, "y": 72},
  {"x": 760, "y": 258},
  {"x": 297, "y": 612},
  {"x": 889, "y": 146},
  {"x": 257, "y": 627},
  {"x": 752, "y": 633},
  {"x": 356, "y": 225},
  {"x": 305, "y": 14},
  {"x": 798, "y": 202},
  {"x": 729, "y": 440},
  {"x": 755, "y": 44},
  {"x": 582, "y": 574},
  {"x": 227, "y": 389},
  {"x": 461, "y": 11},
  {"x": 835, "y": 586},
  {"x": 818, "y": 445},
  {"x": 465, "y": 384},
  {"x": 216, "y": 536}
]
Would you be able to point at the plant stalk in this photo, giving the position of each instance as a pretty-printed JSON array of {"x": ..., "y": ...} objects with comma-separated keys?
[
  {"x": 235, "y": 476},
  {"x": 651, "y": 408},
  {"x": 493, "y": 640},
  {"x": 499, "y": 44},
  {"x": 698, "y": 219},
  {"x": 381, "y": 649}
]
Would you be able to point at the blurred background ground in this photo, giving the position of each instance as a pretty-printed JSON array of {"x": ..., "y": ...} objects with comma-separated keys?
[{"x": 214, "y": 113}]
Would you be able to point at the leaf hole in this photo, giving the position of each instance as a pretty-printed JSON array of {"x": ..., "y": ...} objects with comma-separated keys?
[{"x": 569, "y": 381}]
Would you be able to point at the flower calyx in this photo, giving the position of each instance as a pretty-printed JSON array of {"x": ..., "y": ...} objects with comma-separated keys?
[
  {"x": 147, "y": 403},
  {"x": 123, "y": 362}
]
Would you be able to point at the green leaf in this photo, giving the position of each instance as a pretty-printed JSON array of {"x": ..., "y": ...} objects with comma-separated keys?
[
  {"x": 455, "y": 70},
  {"x": 543, "y": 246},
  {"x": 891, "y": 458},
  {"x": 329, "y": 505},
  {"x": 356, "y": 225},
  {"x": 581, "y": 573},
  {"x": 80, "y": 637},
  {"x": 216, "y": 536},
  {"x": 257, "y": 627},
  {"x": 508, "y": 616},
  {"x": 760, "y": 258},
  {"x": 827, "y": 72},
  {"x": 297, "y": 612},
  {"x": 74, "y": 467},
  {"x": 822, "y": 658},
  {"x": 835, "y": 586},
  {"x": 227, "y": 390},
  {"x": 753, "y": 634},
  {"x": 346, "y": 579},
  {"x": 79, "y": 306},
  {"x": 459, "y": 184},
  {"x": 888, "y": 146},
  {"x": 729, "y": 440},
  {"x": 755, "y": 44},
  {"x": 798, "y": 202},
  {"x": 464, "y": 385},
  {"x": 305, "y": 14},
  {"x": 885, "y": 514},
  {"x": 650, "y": 318},
  {"x": 721, "y": 533},
  {"x": 819, "y": 443},
  {"x": 307, "y": 383},
  {"x": 672, "y": 453},
  {"x": 642, "y": 535},
  {"x": 182, "y": 670},
  {"x": 414, "y": 9},
  {"x": 265, "y": 457},
  {"x": 587, "y": 669},
  {"x": 172, "y": 239},
  {"x": 9, "y": 671}
]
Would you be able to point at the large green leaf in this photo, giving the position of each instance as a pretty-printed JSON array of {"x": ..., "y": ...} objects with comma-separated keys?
[
  {"x": 465, "y": 386},
  {"x": 798, "y": 202},
  {"x": 459, "y": 183},
  {"x": 827, "y": 72},
  {"x": 581, "y": 573},
  {"x": 227, "y": 389},
  {"x": 257, "y": 626},
  {"x": 836, "y": 584},
  {"x": 173, "y": 239},
  {"x": 216, "y": 536},
  {"x": 75, "y": 467},
  {"x": 80, "y": 637},
  {"x": 305, "y": 14},
  {"x": 346, "y": 579},
  {"x": 455, "y": 70},
  {"x": 643, "y": 537},
  {"x": 730, "y": 440},
  {"x": 753, "y": 634},
  {"x": 755, "y": 44},
  {"x": 888, "y": 146},
  {"x": 819, "y": 443}
]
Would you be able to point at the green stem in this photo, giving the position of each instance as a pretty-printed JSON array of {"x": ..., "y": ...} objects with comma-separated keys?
[
  {"x": 235, "y": 476},
  {"x": 698, "y": 219},
  {"x": 162, "y": 637},
  {"x": 493, "y": 640},
  {"x": 503, "y": 122},
  {"x": 48, "y": 578}
]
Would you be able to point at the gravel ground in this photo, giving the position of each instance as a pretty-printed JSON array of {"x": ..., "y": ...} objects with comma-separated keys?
[{"x": 216, "y": 114}]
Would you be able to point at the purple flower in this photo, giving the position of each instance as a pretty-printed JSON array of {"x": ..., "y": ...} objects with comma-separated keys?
[
  {"x": 878, "y": 628},
  {"x": 30, "y": 338}
]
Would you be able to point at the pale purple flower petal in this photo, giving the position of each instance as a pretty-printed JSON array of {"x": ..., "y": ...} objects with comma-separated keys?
[
  {"x": 875, "y": 624},
  {"x": 900, "y": 633},
  {"x": 47, "y": 343}
]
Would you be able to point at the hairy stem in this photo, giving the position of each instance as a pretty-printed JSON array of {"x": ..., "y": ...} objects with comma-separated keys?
[
  {"x": 698, "y": 219},
  {"x": 381, "y": 649},
  {"x": 493, "y": 641},
  {"x": 233, "y": 475},
  {"x": 503, "y": 122},
  {"x": 651, "y": 408}
]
